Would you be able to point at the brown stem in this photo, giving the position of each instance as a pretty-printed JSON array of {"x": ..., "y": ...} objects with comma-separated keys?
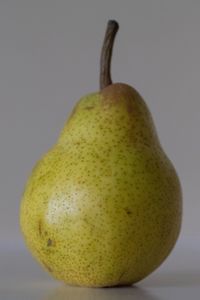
[{"x": 106, "y": 53}]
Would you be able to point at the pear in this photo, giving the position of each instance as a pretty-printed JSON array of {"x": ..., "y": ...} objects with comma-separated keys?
[{"x": 103, "y": 207}]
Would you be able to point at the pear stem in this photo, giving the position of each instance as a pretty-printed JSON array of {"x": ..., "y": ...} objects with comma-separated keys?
[{"x": 106, "y": 53}]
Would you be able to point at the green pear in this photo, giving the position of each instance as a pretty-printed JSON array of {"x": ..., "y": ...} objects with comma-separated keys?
[{"x": 103, "y": 207}]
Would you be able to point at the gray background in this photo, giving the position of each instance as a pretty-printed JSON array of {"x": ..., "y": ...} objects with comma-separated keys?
[{"x": 49, "y": 57}]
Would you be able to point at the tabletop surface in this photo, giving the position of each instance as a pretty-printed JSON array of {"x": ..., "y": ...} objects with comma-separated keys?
[{"x": 21, "y": 278}]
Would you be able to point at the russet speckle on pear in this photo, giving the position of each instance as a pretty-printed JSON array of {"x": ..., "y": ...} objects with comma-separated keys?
[{"x": 103, "y": 206}]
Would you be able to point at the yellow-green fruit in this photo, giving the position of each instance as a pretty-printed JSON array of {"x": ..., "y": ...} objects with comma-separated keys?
[{"x": 103, "y": 206}]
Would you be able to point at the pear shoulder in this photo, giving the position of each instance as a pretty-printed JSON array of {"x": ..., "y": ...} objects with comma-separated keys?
[{"x": 116, "y": 113}]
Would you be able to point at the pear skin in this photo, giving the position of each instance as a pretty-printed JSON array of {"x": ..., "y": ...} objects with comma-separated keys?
[{"x": 103, "y": 206}]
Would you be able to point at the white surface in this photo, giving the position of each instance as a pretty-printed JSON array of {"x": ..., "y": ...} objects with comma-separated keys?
[{"x": 21, "y": 278}]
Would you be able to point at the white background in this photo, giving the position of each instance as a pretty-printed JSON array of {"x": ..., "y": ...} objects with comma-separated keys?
[{"x": 49, "y": 58}]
